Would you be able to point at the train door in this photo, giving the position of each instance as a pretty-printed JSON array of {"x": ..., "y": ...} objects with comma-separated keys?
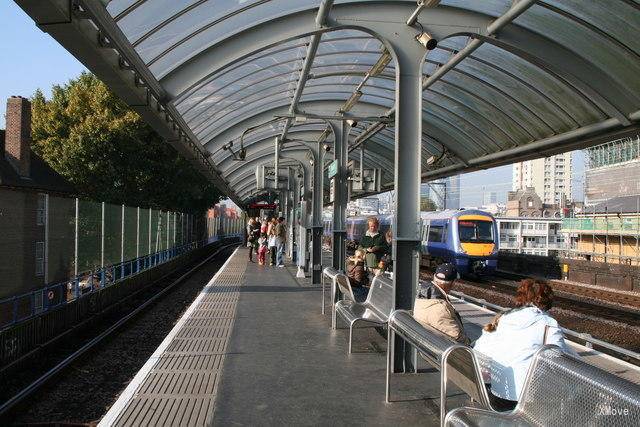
[{"x": 425, "y": 236}]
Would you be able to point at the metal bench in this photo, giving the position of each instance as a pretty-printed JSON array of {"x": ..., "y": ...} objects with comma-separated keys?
[
  {"x": 457, "y": 363},
  {"x": 331, "y": 274},
  {"x": 560, "y": 390},
  {"x": 374, "y": 311}
]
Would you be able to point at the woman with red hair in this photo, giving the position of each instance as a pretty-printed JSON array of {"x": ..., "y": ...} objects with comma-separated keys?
[{"x": 511, "y": 340}]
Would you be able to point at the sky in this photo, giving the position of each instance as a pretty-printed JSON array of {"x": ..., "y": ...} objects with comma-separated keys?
[{"x": 32, "y": 60}]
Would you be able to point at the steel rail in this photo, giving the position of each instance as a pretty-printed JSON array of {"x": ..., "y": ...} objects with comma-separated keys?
[{"x": 31, "y": 388}]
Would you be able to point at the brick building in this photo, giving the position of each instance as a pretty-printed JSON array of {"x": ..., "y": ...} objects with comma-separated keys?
[
  {"x": 527, "y": 203},
  {"x": 36, "y": 211}
]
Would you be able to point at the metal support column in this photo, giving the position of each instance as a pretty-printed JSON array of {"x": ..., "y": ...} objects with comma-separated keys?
[
  {"x": 406, "y": 223},
  {"x": 340, "y": 194},
  {"x": 316, "y": 214}
]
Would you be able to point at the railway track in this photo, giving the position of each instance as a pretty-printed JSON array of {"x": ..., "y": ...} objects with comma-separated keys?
[
  {"x": 590, "y": 305},
  {"x": 18, "y": 398}
]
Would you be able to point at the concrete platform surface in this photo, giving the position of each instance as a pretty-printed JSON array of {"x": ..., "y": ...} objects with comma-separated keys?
[{"x": 254, "y": 349}]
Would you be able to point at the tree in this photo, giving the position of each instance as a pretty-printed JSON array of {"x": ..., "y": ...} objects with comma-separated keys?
[
  {"x": 92, "y": 138},
  {"x": 427, "y": 205}
]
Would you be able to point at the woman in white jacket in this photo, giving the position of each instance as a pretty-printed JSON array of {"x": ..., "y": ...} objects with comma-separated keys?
[{"x": 511, "y": 341}]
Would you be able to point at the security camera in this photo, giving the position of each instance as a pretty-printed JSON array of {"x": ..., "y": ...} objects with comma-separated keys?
[
  {"x": 327, "y": 147},
  {"x": 242, "y": 154}
]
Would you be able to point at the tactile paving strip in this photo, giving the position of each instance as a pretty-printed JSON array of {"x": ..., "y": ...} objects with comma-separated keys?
[{"x": 181, "y": 387}]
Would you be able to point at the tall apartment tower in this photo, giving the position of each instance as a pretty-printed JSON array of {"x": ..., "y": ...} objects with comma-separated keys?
[{"x": 549, "y": 176}]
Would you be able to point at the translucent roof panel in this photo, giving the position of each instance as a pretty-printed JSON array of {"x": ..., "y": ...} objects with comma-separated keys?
[
  {"x": 561, "y": 66},
  {"x": 165, "y": 33}
]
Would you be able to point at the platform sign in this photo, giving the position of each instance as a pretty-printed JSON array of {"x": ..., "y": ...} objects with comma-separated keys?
[{"x": 333, "y": 168}]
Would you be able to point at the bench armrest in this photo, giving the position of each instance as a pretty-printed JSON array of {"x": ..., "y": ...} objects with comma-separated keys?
[{"x": 468, "y": 416}]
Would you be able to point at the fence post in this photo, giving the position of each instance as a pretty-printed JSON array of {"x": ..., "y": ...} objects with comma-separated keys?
[
  {"x": 149, "y": 233},
  {"x": 138, "y": 239},
  {"x": 75, "y": 243},
  {"x": 102, "y": 238},
  {"x": 122, "y": 243}
]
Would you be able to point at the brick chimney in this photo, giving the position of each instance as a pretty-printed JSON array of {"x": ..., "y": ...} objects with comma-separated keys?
[{"x": 18, "y": 134}]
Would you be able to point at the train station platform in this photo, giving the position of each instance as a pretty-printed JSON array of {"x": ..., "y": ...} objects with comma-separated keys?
[{"x": 254, "y": 348}]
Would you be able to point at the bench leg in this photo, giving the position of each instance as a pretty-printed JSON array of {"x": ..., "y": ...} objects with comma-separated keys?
[
  {"x": 323, "y": 294},
  {"x": 443, "y": 392},
  {"x": 390, "y": 340},
  {"x": 351, "y": 334}
]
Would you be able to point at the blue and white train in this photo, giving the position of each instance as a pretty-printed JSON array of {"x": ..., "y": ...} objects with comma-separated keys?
[{"x": 467, "y": 238}]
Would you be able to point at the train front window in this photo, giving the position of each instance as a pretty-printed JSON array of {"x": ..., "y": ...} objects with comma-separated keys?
[{"x": 475, "y": 231}]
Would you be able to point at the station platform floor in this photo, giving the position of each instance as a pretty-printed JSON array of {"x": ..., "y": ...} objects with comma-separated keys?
[{"x": 254, "y": 349}]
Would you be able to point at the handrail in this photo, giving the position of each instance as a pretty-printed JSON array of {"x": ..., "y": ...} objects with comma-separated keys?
[{"x": 587, "y": 338}]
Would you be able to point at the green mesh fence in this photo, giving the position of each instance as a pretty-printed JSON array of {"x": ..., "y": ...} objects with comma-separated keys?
[
  {"x": 112, "y": 234},
  {"x": 145, "y": 245},
  {"x": 130, "y": 243},
  {"x": 179, "y": 228},
  {"x": 156, "y": 231},
  {"x": 61, "y": 245},
  {"x": 89, "y": 235}
]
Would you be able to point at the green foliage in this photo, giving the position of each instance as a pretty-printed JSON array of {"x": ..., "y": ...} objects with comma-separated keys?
[
  {"x": 427, "y": 205},
  {"x": 110, "y": 154}
]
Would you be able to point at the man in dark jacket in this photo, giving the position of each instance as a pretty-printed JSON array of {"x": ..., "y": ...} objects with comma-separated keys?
[
  {"x": 373, "y": 243},
  {"x": 432, "y": 306}
]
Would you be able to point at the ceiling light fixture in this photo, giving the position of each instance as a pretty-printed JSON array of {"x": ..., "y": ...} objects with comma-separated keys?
[{"x": 425, "y": 39}]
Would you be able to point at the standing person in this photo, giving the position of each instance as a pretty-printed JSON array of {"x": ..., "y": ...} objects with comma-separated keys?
[
  {"x": 280, "y": 231},
  {"x": 270, "y": 226},
  {"x": 273, "y": 245},
  {"x": 433, "y": 308},
  {"x": 262, "y": 249},
  {"x": 251, "y": 238},
  {"x": 510, "y": 341},
  {"x": 372, "y": 243}
]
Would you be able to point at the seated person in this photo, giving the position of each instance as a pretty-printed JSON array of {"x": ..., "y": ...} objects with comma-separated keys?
[
  {"x": 386, "y": 261},
  {"x": 357, "y": 274},
  {"x": 373, "y": 243},
  {"x": 433, "y": 308},
  {"x": 510, "y": 341}
]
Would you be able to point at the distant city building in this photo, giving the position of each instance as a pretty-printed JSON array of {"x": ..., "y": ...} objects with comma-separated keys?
[
  {"x": 527, "y": 203},
  {"x": 490, "y": 198},
  {"x": 445, "y": 193},
  {"x": 533, "y": 236},
  {"x": 612, "y": 170},
  {"x": 34, "y": 212},
  {"x": 550, "y": 177}
]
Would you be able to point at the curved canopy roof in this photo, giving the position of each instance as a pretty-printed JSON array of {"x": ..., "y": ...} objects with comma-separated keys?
[{"x": 556, "y": 75}]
